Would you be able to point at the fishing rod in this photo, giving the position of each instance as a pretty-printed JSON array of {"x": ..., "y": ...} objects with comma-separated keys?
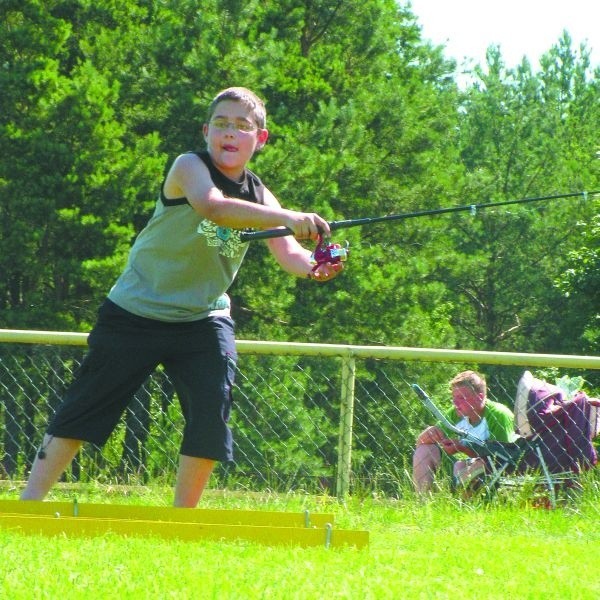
[{"x": 247, "y": 236}]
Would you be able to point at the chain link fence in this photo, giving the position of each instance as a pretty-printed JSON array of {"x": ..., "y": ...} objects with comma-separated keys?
[{"x": 307, "y": 417}]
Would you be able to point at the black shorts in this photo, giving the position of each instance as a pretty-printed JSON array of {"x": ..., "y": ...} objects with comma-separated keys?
[{"x": 199, "y": 357}]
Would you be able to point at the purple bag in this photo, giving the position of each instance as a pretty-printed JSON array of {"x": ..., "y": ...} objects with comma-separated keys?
[{"x": 562, "y": 427}]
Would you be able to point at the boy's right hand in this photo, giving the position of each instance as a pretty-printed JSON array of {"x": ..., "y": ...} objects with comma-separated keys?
[{"x": 307, "y": 225}]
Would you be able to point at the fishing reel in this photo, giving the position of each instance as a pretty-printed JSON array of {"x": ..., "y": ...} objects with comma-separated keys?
[{"x": 328, "y": 252}]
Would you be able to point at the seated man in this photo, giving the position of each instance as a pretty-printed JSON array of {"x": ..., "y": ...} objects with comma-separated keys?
[{"x": 473, "y": 413}]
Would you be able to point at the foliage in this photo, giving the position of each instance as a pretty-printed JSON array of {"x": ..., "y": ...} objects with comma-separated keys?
[
  {"x": 518, "y": 134},
  {"x": 365, "y": 119},
  {"x": 78, "y": 173},
  {"x": 580, "y": 283}
]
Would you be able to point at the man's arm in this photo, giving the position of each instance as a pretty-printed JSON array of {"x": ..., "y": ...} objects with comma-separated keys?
[
  {"x": 431, "y": 435},
  {"x": 453, "y": 446},
  {"x": 501, "y": 422}
]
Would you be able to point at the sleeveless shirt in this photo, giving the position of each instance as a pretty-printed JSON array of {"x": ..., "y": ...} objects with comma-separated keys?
[{"x": 181, "y": 265}]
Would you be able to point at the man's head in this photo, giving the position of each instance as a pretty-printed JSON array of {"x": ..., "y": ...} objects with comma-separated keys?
[{"x": 469, "y": 392}]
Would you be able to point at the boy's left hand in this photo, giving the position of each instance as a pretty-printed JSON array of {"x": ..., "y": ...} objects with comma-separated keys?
[{"x": 326, "y": 271}]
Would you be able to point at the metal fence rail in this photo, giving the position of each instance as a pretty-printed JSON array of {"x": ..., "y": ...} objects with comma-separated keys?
[{"x": 315, "y": 417}]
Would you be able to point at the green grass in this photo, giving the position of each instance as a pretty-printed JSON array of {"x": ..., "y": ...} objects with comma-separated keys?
[{"x": 437, "y": 549}]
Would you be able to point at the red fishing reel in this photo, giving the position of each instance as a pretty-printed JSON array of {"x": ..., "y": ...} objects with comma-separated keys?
[{"x": 328, "y": 252}]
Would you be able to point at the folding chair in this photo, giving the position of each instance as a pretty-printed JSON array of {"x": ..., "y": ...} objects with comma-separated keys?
[
  {"x": 505, "y": 460},
  {"x": 563, "y": 424}
]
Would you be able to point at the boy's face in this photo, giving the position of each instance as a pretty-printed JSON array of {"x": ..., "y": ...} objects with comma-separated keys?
[
  {"x": 468, "y": 402},
  {"x": 232, "y": 137}
]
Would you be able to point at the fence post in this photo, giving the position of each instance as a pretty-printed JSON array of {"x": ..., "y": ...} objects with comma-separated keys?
[{"x": 346, "y": 422}]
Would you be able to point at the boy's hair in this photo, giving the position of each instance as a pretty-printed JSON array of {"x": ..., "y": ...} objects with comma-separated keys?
[
  {"x": 247, "y": 98},
  {"x": 470, "y": 379}
]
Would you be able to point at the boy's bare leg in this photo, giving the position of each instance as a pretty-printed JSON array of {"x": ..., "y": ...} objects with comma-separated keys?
[
  {"x": 192, "y": 476},
  {"x": 426, "y": 461},
  {"x": 59, "y": 452}
]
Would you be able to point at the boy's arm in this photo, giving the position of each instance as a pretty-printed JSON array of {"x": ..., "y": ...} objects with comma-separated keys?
[
  {"x": 295, "y": 259},
  {"x": 189, "y": 177},
  {"x": 431, "y": 435}
]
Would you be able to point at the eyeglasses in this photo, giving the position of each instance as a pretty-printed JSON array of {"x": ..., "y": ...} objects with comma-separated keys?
[{"x": 241, "y": 125}]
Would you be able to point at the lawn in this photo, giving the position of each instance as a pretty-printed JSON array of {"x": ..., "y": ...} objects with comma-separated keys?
[{"x": 442, "y": 548}]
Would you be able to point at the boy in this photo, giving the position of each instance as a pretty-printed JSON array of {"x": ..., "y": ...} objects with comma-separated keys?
[{"x": 170, "y": 307}]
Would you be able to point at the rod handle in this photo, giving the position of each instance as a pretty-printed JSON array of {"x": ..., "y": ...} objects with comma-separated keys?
[{"x": 266, "y": 234}]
